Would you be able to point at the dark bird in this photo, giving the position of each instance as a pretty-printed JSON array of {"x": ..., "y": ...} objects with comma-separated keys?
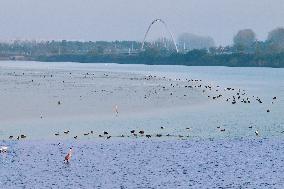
[
  {"x": 23, "y": 136},
  {"x": 141, "y": 132},
  {"x": 132, "y": 132},
  {"x": 105, "y": 133}
]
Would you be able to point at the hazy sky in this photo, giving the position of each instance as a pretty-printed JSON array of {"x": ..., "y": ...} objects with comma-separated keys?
[{"x": 128, "y": 19}]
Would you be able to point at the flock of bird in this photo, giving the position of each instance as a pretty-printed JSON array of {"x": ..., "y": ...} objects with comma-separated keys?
[
  {"x": 235, "y": 96},
  {"x": 132, "y": 133}
]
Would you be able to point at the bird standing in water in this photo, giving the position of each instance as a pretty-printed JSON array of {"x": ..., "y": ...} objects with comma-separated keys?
[
  {"x": 3, "y": 149},
  {"x": 256, "y": 133},
  {"x": 68, "y": 156},
  {"x": 116, "y": 110}
]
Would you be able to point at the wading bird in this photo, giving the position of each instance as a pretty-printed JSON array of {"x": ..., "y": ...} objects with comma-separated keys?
[
  {"x": 3, "y": 149},
  {"x": 116, "y": 110},
  {"x": 256, "y": 133},
  {"x": 68, "y": 156}
]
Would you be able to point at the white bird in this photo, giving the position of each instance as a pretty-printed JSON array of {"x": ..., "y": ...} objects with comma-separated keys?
[
  {"x": 3, "y": 149},
  {"x": 116, "y": 110},
  {"x": 256, "y": 133},
  {"x": 68, "y": 156}
]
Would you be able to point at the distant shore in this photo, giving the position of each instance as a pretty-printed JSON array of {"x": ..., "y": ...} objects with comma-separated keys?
[{"x": 192, "y": 58}]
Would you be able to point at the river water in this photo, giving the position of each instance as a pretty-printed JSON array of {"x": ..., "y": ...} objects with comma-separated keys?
[{"x": 201, "y": 157}]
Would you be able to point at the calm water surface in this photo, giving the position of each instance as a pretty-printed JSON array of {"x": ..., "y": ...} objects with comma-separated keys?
[{"x": 207, "y": 158}]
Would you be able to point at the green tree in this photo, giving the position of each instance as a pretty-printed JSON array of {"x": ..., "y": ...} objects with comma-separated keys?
[
  {"x": 275, "y": 40},
  {"x": 244, "y": 40}
]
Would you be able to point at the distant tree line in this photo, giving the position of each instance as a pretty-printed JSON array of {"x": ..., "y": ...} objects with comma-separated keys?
[
  {"x": 195, "y": 51},
  {"x": 47, "y": 48},
  {"x": 192, "y": 58},
  {"x": 245, "y": 41}
]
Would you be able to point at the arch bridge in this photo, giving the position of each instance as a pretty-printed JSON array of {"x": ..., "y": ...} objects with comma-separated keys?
[{"x": 165, "y": 25}]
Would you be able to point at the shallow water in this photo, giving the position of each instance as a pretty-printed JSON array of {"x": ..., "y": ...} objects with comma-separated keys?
[
  {"x": 203, "y": 119},
  {"x": 234, "y": 163},
  {"x": 202, "y": 157}
]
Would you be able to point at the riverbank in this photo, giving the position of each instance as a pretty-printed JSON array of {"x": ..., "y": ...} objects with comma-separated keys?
[{"x": 192, "y": 58}]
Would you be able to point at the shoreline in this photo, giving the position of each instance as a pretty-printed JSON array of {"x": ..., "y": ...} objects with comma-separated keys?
[{"x": 143, "y": 64}]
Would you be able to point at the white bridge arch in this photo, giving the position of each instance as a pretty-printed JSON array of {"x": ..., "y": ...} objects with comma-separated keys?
[{"x": 164, "y": 23}]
